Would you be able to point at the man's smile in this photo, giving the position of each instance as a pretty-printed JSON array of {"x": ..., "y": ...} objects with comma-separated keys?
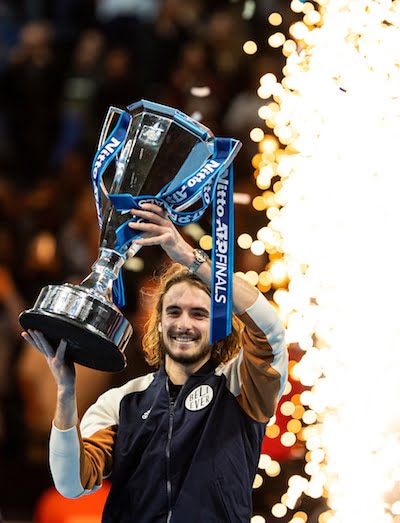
[{"x": 184, "y": 338}]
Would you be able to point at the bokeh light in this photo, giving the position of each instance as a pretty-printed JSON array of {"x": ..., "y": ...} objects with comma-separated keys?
[
  {"x": 275, "y": 19},
  {"x": 250, "y": 47}
]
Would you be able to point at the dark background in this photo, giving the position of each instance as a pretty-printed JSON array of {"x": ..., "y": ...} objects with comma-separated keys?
[{"x": 62, "y": 64}]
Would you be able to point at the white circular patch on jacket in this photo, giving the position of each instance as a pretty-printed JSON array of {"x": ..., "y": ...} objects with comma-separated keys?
[{"x": 199, "y": 398}]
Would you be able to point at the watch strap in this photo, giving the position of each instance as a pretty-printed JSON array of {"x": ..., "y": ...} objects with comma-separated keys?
[{"x": 199, "y": 257}]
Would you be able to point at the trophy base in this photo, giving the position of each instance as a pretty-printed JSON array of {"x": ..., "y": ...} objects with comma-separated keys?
[{"x": 95, "y": 330}]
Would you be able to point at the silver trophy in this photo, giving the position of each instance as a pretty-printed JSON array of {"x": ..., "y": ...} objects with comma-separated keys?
[{"x": 159, "y": 146}]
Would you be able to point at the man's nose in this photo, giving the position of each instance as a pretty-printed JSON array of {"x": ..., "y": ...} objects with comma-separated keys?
[{"x": 184, "y": 322}]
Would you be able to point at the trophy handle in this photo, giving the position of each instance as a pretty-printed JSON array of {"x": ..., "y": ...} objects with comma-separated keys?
[
  {"x": 110, "y": 121},
  {"x": 112, "y": 113}
]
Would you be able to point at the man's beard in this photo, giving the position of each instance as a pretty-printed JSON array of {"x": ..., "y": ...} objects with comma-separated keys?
[{"x": 184, "y": 359}]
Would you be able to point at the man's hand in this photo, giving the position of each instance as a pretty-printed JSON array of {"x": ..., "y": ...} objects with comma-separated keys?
[
  {"x": 66, "y": 415},
  {"x": 63, "y": 371},
  {"x": 159, "y": 230}
]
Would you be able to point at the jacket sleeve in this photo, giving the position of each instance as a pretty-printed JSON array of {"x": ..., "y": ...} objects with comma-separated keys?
[
  {"x": 81, "y": 457},
  {"x": 257, "y": 377}
]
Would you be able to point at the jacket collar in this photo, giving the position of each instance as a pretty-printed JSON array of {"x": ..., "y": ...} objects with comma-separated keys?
[{"x": 208, "y": 367}]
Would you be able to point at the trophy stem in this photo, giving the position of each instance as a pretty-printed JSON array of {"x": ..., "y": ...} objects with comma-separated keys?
[{"x": 104, "y": 271}]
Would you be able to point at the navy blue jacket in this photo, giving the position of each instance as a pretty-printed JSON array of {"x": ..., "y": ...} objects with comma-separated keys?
[{"x": 189, "y": 461}]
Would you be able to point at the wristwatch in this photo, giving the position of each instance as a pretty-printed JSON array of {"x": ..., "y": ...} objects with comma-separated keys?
[{"x": 199, "y": 258}]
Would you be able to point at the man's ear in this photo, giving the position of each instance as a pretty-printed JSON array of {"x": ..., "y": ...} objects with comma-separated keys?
[{"x": 159, "y": 327}]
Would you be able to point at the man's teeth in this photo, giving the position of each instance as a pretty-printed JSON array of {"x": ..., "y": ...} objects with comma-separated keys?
[{"x": 183, "y": 338}]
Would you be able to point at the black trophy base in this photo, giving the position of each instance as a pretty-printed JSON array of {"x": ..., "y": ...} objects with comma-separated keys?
[
  {"x": 84, "y": 346},
  {"x": 94, "y": 328}
]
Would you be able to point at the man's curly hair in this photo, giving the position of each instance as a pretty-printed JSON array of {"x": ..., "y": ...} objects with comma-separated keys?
[{"x": 222, "y": 351}]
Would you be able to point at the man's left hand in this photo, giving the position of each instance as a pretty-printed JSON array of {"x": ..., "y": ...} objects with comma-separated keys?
[{"x": 158, "y": 229}]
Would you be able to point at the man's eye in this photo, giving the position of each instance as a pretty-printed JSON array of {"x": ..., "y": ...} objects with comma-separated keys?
[
  {"x": 173, "y": 313},
  {"x": 200, "y": 315}
]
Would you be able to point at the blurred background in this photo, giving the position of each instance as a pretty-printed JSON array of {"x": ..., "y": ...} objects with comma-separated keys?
[{"x": 62, "y": 64}]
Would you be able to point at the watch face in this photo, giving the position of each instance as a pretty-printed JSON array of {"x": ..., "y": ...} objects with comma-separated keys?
[{"x": 201, "y": 256}]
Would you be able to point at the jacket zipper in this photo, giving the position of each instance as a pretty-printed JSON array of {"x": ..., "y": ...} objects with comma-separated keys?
[{"x": 168, "y": 453}]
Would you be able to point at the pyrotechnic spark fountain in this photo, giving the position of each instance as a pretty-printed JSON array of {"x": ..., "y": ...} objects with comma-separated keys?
[{"x": 333, "y": 226}]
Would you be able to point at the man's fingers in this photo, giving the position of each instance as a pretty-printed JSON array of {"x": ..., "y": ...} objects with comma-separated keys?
[
  {"x": 44, "y": 343},
  {"x": 150, "y": 228},
  {"x": 152, "y": 207},
  {"x": 152, "y": 240},
  {"x": 31, "y": 337},
  {"x": 41, "y": 343},
  {"x": 151, "y": 212},
  {"x": 61, "y": 349},
  {"x": 27, "y": 338}
]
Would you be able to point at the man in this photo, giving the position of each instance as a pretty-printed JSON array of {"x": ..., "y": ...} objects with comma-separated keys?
[{"x": 183, "y": 443}]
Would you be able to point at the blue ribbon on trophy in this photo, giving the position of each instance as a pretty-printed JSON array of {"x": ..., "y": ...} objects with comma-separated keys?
[{"x": 211, "y": 183}]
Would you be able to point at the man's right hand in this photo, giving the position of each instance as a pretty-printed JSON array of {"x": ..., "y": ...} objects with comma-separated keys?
[
  {"x": 62, "y": 370},
  {"x": 66, "y": 415}
]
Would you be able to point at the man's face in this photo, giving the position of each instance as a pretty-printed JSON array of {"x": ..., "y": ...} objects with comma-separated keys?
[{"x": 185, "y": 324}]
